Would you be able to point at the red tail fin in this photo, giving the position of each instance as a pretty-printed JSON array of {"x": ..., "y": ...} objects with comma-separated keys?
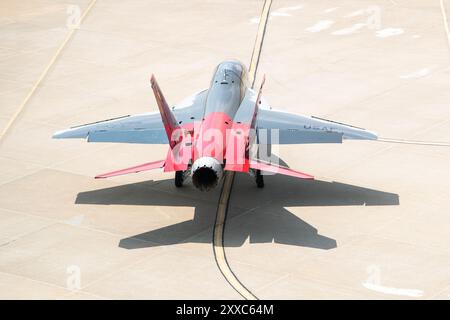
[
  {"x": 258, "y": 101},
  {"x": 168, "y": 118}
]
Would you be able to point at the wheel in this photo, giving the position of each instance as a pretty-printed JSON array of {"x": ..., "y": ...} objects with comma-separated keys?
[
  {"x": 179, "y": 178},
  {"x": 259, "y": 179}
]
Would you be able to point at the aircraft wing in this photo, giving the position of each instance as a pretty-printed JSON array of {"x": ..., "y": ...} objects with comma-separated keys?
[
  {"x": 297, "y": 129},
  {"x": 143, "y": 128}
]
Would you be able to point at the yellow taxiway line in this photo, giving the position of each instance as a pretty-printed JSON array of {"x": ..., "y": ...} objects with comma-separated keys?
[
  {"x": 44, "y": 73},
  {"x": 259, "y": 41},
  {"x": 445, "y": 20},
  {"x": 222, "y": 208}
]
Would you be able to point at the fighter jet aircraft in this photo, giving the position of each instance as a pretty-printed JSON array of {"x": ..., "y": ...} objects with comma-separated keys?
[{"x": 228, "y": 127}]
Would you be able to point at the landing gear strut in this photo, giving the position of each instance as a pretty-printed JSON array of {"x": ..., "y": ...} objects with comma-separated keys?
[
  {"x": 259, "y": 179},
  {"x": 179, "y": 178}
]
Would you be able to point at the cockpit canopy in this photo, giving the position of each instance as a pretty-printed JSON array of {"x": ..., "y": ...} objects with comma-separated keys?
[
  {"x": 230, "y": 71},
  {"x": 228, "y": 87}
]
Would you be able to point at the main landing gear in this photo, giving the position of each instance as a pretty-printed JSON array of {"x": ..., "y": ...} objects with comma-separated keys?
[
  {"x": 259, "y": 179},
  {"x": 179, "y": 178}
]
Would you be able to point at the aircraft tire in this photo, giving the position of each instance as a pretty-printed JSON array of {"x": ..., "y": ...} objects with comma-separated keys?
[
  {"x": 259, "y": 179},
  {"x": 179, "y": 178}
]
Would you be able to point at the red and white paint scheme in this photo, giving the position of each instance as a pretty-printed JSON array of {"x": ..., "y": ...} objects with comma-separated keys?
[{"x": 228, "y": 127}]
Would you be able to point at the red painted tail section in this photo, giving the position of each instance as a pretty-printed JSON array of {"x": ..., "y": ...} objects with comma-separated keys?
[
  {"x": 211, "y": 135},
  {"x": 240, "y": 139},
  {"x": 135, "y": 169},
  {"x": 180, "y": 152},
  {"x": 237, "y": 152},
  {"x": 179, "y": 156}
]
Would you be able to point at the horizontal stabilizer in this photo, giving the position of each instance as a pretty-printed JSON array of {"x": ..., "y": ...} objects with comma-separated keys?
[
  {"x": 270, "y": 167},
  {"x": 135, "y": 169}
]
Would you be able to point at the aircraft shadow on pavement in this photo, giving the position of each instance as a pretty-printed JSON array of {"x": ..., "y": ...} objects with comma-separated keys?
[{"x": 269, "y": 223}]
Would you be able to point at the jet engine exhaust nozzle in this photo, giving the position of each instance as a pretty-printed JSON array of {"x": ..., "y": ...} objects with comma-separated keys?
[{"x": 206, "y": 173}]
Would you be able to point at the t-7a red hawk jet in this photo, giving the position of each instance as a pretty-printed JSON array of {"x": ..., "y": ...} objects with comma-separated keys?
[{"x": 228, "y": 127}]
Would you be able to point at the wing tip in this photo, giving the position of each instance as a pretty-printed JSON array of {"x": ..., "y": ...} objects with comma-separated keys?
[
  {"x": 70, "y": 134},
  {"x": 59, "y": 134},
  {"x": 361, "y": 135}
]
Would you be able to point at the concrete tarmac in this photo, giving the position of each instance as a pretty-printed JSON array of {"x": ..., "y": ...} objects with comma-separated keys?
[{"x": 375, "y": 224}]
